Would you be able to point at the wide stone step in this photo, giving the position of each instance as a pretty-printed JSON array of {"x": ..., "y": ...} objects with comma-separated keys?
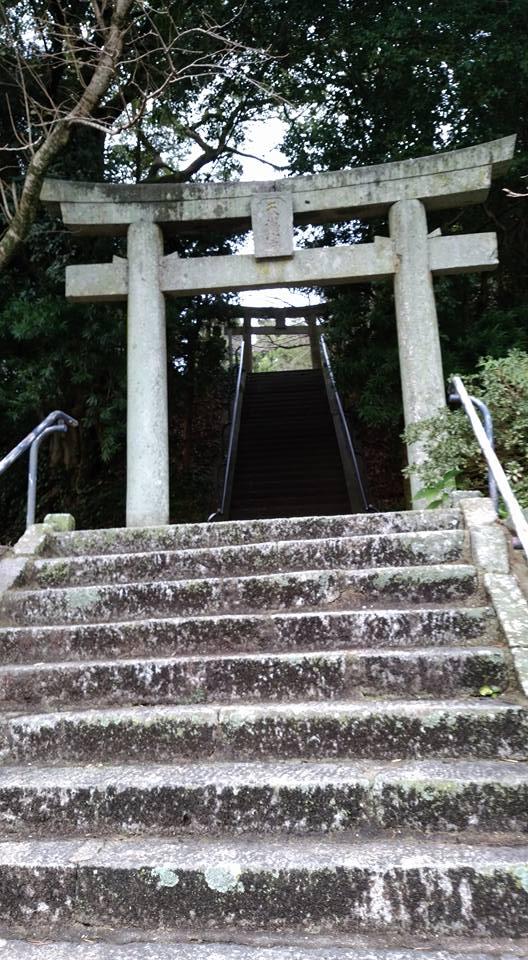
[
  {"x": 418, "y": 729},
  {"x": 427, "y": 888},
  {"x": 163, "y": 950},
  {"x": 272, "y": 798},
  {"x": 187, "y": 536},
  {"x": 258, "y": 676},
  {"x": 399, "y": 549},
  {"x": 347, "y": 629},
  {"x": 335, "y": 588}
]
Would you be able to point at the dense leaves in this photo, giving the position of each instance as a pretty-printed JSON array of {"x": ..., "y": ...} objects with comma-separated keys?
[
  {"x": 356, "y": 83},
  {"x": 453, "y": 454},
  {"x": 391, "y": 81}
]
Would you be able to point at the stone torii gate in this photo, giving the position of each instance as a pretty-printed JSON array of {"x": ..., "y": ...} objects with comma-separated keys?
[
  {"x": 278, "y": 316},
  {"x": 405, "y": 190}
]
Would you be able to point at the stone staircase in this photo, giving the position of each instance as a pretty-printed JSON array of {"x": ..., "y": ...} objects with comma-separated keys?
[
  {"x": 287, "y": 459},
  {"x": 265, "y": 736}
]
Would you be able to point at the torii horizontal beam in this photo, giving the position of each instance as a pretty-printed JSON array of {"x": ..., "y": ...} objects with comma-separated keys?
[
  {"x": 238, "y": 310},
  {"x": 186, "y": 276},
  {"x": 300, "y": 330},
  {"x": 442, "y": 180}
]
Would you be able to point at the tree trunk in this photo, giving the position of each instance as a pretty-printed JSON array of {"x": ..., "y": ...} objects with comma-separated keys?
[{"x": 57, "y": 137}]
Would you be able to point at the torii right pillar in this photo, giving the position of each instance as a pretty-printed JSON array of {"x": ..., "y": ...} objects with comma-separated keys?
[{"x": 421, "y": 371}]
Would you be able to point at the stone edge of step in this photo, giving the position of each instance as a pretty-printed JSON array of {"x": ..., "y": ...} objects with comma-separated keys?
[
  {"x": 311, "y": 675},
  {"x": 271, "y": 528},
  {"x": 419, "y": 546},
  {"x": 221, "y": 950},
  {"x": 290, "y": 774},
  {"x": 342, "y": 577}
]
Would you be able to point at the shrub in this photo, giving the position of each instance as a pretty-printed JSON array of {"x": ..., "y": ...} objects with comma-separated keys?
[{"x": 453, "y": 456}]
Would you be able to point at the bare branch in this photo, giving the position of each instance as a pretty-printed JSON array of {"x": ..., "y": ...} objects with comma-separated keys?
[
  {"x": 253, "y": 156},
  {"x": 105, "y": 75},
  {"x": 511, "y": 193}
]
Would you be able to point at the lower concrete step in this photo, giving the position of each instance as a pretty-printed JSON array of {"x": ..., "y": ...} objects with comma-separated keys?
[
  {"x": 346, "y": 629},
  {"x": 258, "y": 676},
  {"x": 417, "y": 887},
  {"x": 436, "y": 583},
  {"x": 266, "y": 798},
  {"x": 384, "y": 729}
]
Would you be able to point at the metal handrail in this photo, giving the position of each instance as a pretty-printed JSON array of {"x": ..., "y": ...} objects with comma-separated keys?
[
  {"x": 487, "y": 420},
  {"x": 56, "y": 422},
  {"x": 500, "y": 478},
  {"x": 233, "y": 436},
  {"x": 349, "y": 446}
]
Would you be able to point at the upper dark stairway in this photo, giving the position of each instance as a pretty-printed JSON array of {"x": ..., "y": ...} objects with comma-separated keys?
[{"x": 288, "y": 461}]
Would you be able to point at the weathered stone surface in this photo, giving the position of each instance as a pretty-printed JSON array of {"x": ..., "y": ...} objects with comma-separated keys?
[
  {"x": 33, "y": 541},
  {"x": 252, "y": 815},
  {"x": 163, "y": 950},
  {"x": 60, "y": 522},
  {"x": 430, "y": 888},
  {"x": 441, "y": 180},
  {"x": 284, "y": 676},
  {"x": 272, "y": 224},
  {"x": 252, "y": 632},
  {"x": 488, "y": 539},
  {"x": 401, "y": 549},
  {"x": 456, "y": 254},
  {"x": 11, "y": 570},
  {"x": 280, "y": 797},
  {"x": 419, "y": 350},
  {"x": 147, "y": 491},
  {"x": 511, "y": 607},
  {"x": 512, "y": 610},
  {"x": 334, "y": 588},
  {"x": 185, "y": 276},
  {"x": 381, "y": 730},
  {"x": 233, "y": 533}
]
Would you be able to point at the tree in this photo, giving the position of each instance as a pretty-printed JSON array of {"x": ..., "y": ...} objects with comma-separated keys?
[
  {"x": 383, "y": 82},
  {"x": 107, "y": 66}
]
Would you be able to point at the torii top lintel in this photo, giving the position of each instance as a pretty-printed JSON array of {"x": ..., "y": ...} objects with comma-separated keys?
[{"x": 441, "y": 181}]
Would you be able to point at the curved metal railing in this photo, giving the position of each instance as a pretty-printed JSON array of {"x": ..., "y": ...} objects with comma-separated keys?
[
  {"x": 354, "y": 480},
  {"x": 236, "y": 411},
  {"x": 496, "y": 472},
  {"x": 56, "y": 422}
]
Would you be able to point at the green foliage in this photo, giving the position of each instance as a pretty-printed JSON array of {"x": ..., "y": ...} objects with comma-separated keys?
[
  {"x": 450, "y": 448},
  {"x": 490, "y": 690},
  {"x": 356, "y": 84},
  {"x": 437, "y": 494},
  {"x": 281, "y": 357}
]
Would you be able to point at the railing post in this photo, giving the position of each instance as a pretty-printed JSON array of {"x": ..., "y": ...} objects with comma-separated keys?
[
  {"x": 248, "y": 351},
  {"x": 33, "y": 470},
  {"x": 58, "y": 421},
  {"x": 506, "y": 492},
  {"x": 236, "y": 413},
  {"x": 315, "y": 352},
  {"x": 354, "y": 483}
]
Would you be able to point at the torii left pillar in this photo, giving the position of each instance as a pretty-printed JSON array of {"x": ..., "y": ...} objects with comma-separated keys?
[{"x": 147, "y": 500}]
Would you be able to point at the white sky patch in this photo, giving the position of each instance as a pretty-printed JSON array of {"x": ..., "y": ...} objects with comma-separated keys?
[{"x": 263, "y": 139}]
